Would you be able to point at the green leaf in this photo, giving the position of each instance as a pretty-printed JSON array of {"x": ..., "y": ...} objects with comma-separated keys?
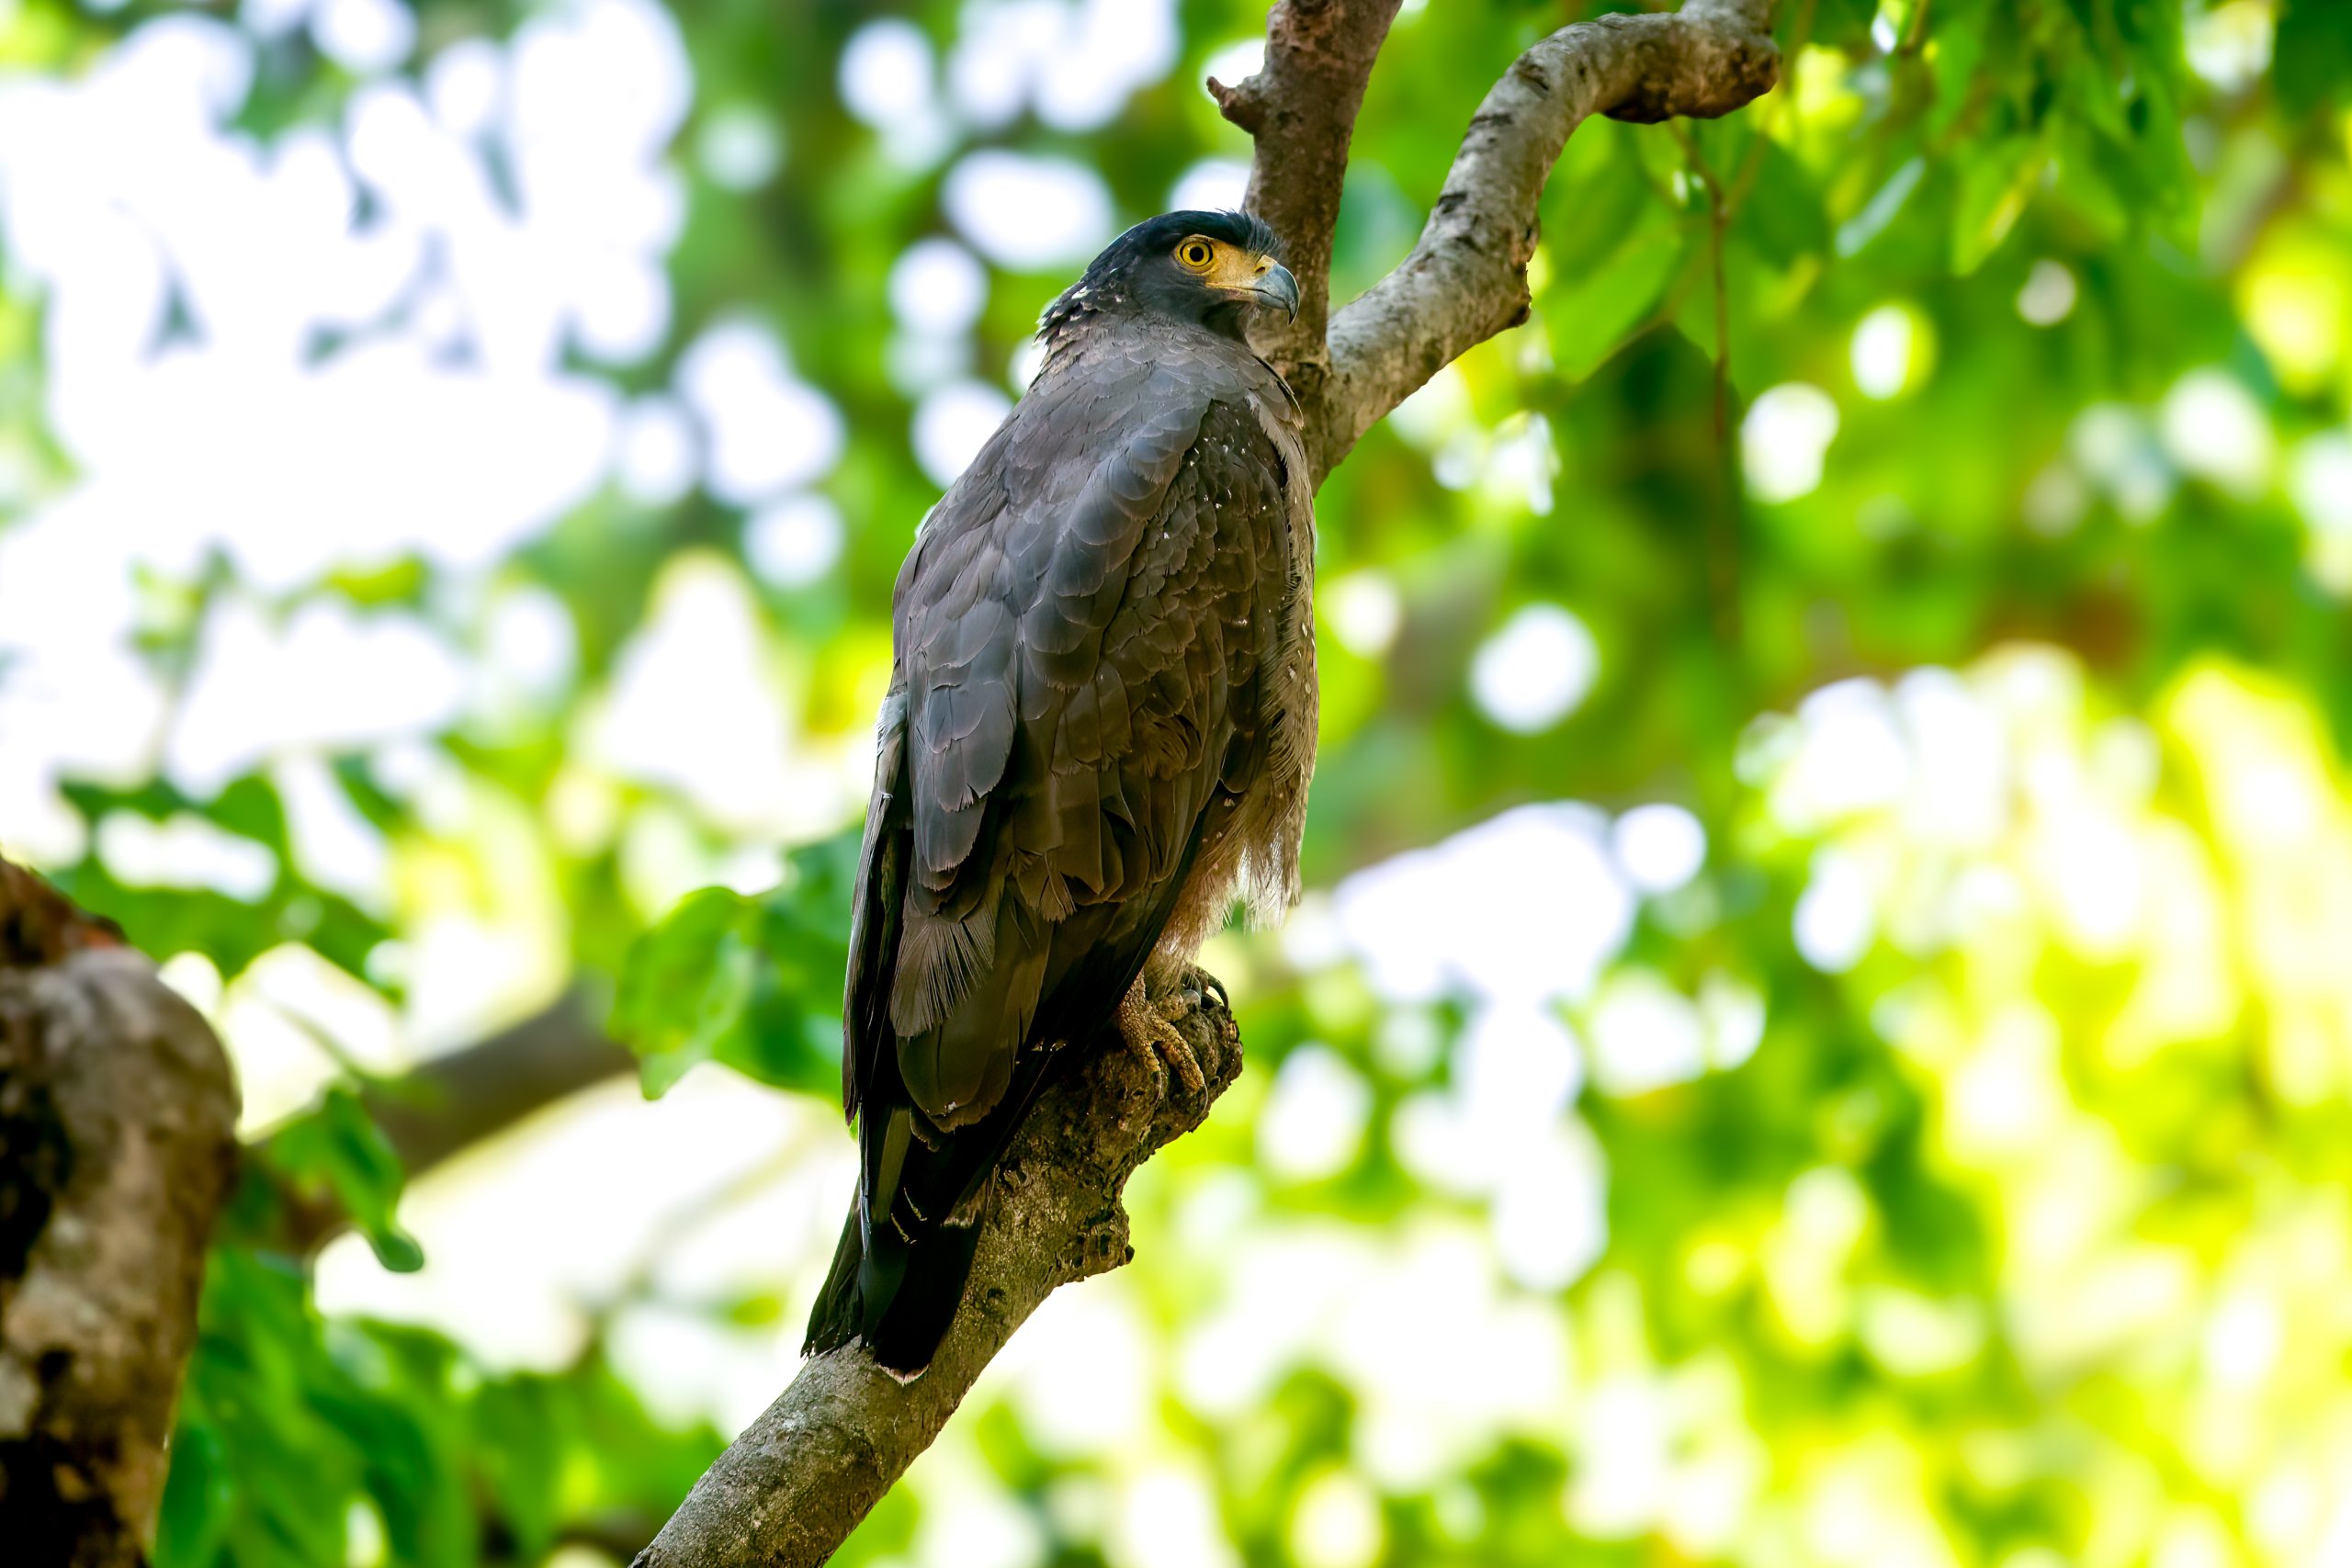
[
  {"x": 1784, "y": 217},
  {"x": 1590, "y": 322},
  {"x": 1838, "y": 24},
  {"x": 2313, "y": 51},
  {"x": 754, "y": 983},
  {"x": 686, "y": 985},
  {"x": 1953, "y": 65},
  {"x": 1994, "y": 187},
  {"x": 1597, "y": 198},
  {"x": 338, "y": 1148},
  {"x": 200, "y": 1497},
  {"x": 1879, "y": 212},
  {"x": 2081, "y": 187},
  {"x": 521, "y": 1428}
]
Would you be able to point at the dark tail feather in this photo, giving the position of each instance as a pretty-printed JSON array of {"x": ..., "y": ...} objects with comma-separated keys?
[
  {"x": 900, "y": 1298},
  {"x": 833, "y": 1323},
  {"x": 906, "y": 1332},
  {"x": 900, "y": 1295}
]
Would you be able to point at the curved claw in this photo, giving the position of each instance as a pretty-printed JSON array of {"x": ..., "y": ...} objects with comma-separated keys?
[{"x": 1210, "y": 984}]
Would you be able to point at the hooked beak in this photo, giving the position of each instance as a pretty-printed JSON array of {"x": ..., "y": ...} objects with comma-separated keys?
[{"x": 1276, "y": 290}]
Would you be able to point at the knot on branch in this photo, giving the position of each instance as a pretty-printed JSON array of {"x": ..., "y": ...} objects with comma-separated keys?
[
  {"x": 1697, "y": 68},
  {"x": 1244, "y": 104},
  {"x": 1104, "y": 1247}
]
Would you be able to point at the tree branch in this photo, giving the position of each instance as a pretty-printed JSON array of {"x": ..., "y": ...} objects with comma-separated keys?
[
  {"x": 1465, "y": 279},
  {"x": 801, "y": 1477},
  {"x": 1301, "y": 109},
  {"x": 118, "y": 1142},
  {"x": 451, "y": 1102},
  {"x": 455, "y": 1100}
]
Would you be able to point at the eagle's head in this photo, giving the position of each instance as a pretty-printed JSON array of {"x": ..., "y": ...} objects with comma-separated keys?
[{"x": 1207, "y": 268}]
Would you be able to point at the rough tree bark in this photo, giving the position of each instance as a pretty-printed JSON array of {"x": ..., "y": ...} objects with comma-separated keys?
[
  {"x": 1466, "y": 278},
  {"x": 118, "y": 1144},
  {"x": 793, "y": 1485}
]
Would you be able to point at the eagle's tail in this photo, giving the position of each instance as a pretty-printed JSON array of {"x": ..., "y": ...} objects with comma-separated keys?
[
  {"x": 897, "y": 1283},
  {"x": 833, "y": 1322},
  {"x": 899, "y": 1301},
  {"x": 906, "y": 1250}
]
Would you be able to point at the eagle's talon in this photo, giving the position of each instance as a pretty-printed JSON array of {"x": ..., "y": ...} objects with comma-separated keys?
[
  {"x": 1148, "y": 1027},
  {"x": 1210, "y": 985}
]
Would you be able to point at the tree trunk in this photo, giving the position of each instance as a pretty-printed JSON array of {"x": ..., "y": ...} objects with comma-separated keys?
[{"x": 118, "y": 1146}]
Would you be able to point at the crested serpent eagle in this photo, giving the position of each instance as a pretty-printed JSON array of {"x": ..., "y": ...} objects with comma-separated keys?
[{"x": 1099, "y": 732}]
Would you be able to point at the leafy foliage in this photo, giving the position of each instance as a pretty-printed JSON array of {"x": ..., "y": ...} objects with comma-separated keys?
[
  {"x": 337, "y": 1151},
  {"x": 1945, "y": 1167},
  {"x": 744, "y": 981},
  {"x": 292, "y": 1429}
]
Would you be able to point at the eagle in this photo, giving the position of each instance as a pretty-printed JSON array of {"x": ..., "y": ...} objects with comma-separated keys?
[{"x": 1098, "y": 735}]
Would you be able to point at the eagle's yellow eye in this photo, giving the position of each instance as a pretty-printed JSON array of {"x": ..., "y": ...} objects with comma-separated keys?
[{"x": 1194, "y": 253}]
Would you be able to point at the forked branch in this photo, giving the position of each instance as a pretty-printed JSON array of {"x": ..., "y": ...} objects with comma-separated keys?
[
  {"x": 1301, "y": 109},
  {"x": 1465, "y": 279}
]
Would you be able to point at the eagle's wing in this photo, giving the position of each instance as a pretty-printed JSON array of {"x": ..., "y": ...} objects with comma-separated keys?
[
  {"x": 1078, "y": 671},
  {"x": 1080, "y": 632}
]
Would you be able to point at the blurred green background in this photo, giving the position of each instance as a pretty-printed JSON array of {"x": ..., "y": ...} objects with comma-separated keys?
[{"x": 1822, "y": 1034}]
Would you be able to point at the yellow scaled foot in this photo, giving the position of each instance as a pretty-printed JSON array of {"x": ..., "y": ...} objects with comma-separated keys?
[{"x": 1148, "y": 1026}]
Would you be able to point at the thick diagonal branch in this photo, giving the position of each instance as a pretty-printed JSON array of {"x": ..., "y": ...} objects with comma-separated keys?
[
  {"x": 1465, "y": 279},
  {"x": 801, "y": 1477}
]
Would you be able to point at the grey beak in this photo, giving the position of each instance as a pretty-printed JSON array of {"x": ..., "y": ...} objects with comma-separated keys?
[{"x": 1277, "y": 290}]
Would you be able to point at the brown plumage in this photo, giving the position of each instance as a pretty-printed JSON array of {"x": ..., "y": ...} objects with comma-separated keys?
[{"x": 1100, "y": 731}]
